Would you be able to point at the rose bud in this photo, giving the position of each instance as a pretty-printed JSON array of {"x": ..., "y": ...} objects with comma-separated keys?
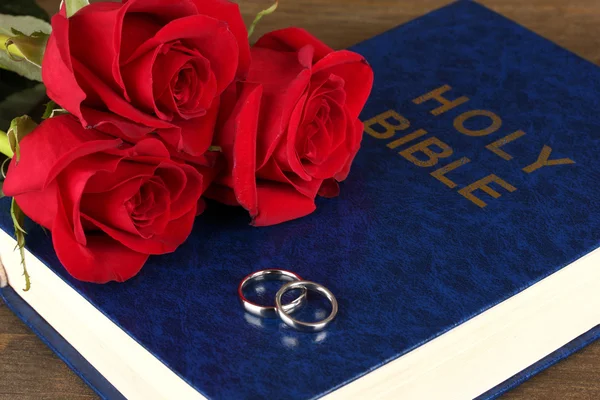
[
  {"x": 141, "y": 66},
  {"x": 292, "y": 130},
  {"x": 108, "y": 204}
]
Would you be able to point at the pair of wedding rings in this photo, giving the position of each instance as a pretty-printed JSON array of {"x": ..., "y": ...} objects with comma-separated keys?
[{"x": 283, "y": 311}]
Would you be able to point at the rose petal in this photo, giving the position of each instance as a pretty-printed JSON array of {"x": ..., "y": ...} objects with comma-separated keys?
[
  {"x": 43, "y": 156},
  {"x": 117, "y": 126},
  {"x": 136, "y": 162},
  {"x": 210, "y": 37},
  {"x": 175, "y": 178},
  {"x": 139, "y": 79},
  {"x": 146, "y": 17},
  {"x": 137, "y": 28},
  {"x": 356, "y": 140},
  {"x": 149, "y": 147},
  {"x": 330, "y": 128},
  {"x": 153, "y": 213},
  {"x": 223, "y": 194},
  {"x": 197, "y": 134},
  {"x": 210, "y": 172},
  {"x": 288, "y": 155},
  {"x": 101, "y": 260},
  {"x": 356, "y": 73},
  {"x": 293, "y": 39},
  {"x": 238, "y": 140},
  {"x": 109, "y": 207},
  {"x": 70, "y": 187},
  {"x": 279, "y": 203},
  {"x": 196, "y": 96},
  {"x": 162, "y": 10},
  {"x": 188, "y": 194},
  {"x": 330, "y": 188},
  {"x": 276, "y": 70},
  {"x": 96, "y": 30},
  {"x": 229, "y": 12},
  {"x": 176, "y": 232},
  {"x": 57, "y": 69},
  {"x": 272, "y": 172},
  {"x": 114, "y": 102},
  {"x": 338, "y": 158},
  {"x": 40, "y": 206}
]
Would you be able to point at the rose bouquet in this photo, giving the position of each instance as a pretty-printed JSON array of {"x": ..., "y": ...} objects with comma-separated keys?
[{"x": 156, "y": 105}]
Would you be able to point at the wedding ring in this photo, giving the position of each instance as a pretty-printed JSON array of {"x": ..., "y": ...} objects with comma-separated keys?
[
  {"x": 299, "y": 325},
  {"x": 268, "y": 275}
]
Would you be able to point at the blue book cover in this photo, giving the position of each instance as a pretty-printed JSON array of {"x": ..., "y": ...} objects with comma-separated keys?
[{"x": 478, "y": 177}]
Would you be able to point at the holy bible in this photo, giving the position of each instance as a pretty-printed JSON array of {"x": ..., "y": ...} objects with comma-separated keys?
[{"x": 463, "y": 249}]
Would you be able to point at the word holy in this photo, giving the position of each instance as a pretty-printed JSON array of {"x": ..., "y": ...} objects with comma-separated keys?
[{"x": 432, "y": 149}]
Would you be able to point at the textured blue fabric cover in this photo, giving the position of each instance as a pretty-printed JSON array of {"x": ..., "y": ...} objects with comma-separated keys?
[{"x": 407, "y": 257}]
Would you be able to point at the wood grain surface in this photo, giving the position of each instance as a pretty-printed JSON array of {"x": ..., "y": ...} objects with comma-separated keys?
[{"x": 30, "y": 371}]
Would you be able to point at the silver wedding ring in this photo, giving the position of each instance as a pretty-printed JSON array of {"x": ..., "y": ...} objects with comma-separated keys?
[
  {"x": 269, "y": 275},
  {"x": 283, "y": 311},
  {"x": 300, "y": 325}
]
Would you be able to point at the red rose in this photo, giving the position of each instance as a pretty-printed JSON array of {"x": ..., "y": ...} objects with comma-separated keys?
[
  {"x": 292, "y": 130},
  {"x": 108, "y": 205},
  {"x": 144, "y": 66}
]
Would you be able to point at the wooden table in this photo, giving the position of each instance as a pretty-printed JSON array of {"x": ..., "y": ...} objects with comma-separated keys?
[{"x": 29, "y": 370}]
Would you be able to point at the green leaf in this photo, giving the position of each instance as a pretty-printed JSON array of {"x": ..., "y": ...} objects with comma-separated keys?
[
  {"x": 19, "y": 128},
  {"x": 18, "y": 217},
  {"x": 31, "y": 47},
  {"x": 11, "y": 25},
  {"x": 4, "y": 169},
  {"x": 50, "y": 106},
  {"x": 23, "y": 7},
  {"x": 52, "y": 110},
  {"x": 74, "y": 5},
  {"x": 5, "y": 149},
  {"x": 22, "y": 68},
  {"x": 260, "y": 15},
  {"x": 23, "y": 102},
  {"x": 23, "y": 51}
]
